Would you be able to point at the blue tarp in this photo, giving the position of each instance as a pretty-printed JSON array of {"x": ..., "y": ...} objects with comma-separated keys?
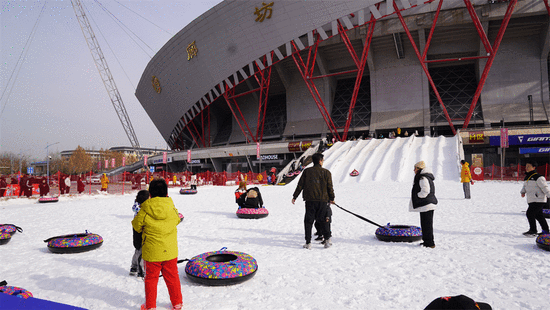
[{"x": 8, "y": 302}]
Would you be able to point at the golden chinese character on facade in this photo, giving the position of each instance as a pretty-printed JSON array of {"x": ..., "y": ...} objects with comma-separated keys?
[
  {"x": 156, "y": 84},
  {"x": 192, "y": 50},
  {"x": 264, "y": 11}
]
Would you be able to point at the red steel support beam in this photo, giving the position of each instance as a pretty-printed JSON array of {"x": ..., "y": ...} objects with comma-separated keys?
[
  {"x": 263, "y": 77},
  {"x": 479, "y": 27},
  {"x": 232, "y": 103},
  {"x": 361, "y": 69},
  {"x": 306, "y": 69},
  {"x": 503, "y": 26},
  {"x": 424, "y": 67},
  {"x": 547, "y": 6}
]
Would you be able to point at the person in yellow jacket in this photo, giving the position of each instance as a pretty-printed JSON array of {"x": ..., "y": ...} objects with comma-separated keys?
[
  {"x": 157, "y": 220},
  {"x": 104, "y": 182},
  {"x": 466, "y": 178}
]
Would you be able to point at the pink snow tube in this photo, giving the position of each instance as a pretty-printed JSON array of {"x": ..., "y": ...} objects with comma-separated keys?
[
  {"x": 48, "y": 199},
  {"x": 252, "y": 213}
]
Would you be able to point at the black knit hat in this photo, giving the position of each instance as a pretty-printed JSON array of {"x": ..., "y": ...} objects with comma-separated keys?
[
  {"x": 532, "y": 162},
  {"x": 456, "y": 302}
]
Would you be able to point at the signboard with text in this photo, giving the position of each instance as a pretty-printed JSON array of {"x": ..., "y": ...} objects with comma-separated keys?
[
  {"x": 504, "y": 138},
  {"x": 476, "y": 137}
]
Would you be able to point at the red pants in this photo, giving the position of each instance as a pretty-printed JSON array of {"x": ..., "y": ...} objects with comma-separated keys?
[{"x": 171, "y": 277}]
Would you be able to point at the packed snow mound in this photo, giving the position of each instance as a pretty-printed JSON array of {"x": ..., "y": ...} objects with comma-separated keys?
[{"x": 393, "y": 159}]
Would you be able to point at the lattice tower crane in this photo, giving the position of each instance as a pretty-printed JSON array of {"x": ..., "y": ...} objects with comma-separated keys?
[{"x": 105, "y": 73}]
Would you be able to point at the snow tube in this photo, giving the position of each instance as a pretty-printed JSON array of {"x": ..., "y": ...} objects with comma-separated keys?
[
  {"x": 6, "y": 231},
  {"x": 354, "y": 173},
  {"x": 546, "y": 212},
  {"x": 543, "y": 242},
  {"x": 399, "y": 233},
  {"x": 15, "y": 291},
  {"x": 74, "y": 243},
  {"x": 252, "y": 213},
  {"x": 48, "y": 199},
  {"x": 188, "y": 191},
  {"x": 10, "y": 228},
  {"x": 5, "y": 237},
  {"x": 221, "y": 268}
]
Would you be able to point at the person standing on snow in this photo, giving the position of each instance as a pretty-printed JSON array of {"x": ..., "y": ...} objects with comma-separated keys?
[
  {"x": 157, "y": 220},
  {"x": 67, "y": 184},
  {"x": 316, "y": 182},
  {"x": 466, "y": 178},
  {"x": 104, "y": 182},
  {"x": 423, "y": 200},
  {"x": 536, "y": 190}
]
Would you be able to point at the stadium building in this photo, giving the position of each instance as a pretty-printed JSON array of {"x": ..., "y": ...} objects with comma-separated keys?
[{"x": 254, "y": 77}]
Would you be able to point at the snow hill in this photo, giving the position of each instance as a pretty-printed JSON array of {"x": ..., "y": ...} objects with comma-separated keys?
[{"x": 393, "y": 159}]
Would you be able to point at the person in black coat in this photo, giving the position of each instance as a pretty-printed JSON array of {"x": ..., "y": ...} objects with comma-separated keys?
[{"x": 251, "y": 199}]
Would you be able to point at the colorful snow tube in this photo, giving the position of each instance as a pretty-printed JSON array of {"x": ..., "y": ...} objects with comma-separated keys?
[
  {"x": 6, "y": 231},
  {"x": 221, "y": 268},
  {"x": 74, "y": 243},
  {"x": 543, "y": 242},
  {"x": 354, "y": 173},
  {"x": 48, "y": 199},
  {"x": 252, "y": 213},
  {"x": 399, "y": 233},
  {"x": 15, "y": 291},
  {"x": 5, "y": 237},
  {"x": 188, "y": 191},
  {"x": 546, "y": 212}
]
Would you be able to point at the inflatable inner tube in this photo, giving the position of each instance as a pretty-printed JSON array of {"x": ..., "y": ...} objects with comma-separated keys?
[
  {"x": 221, "y": 268},
  {"x": 5, "y": 237},
  {"x": 15, "y": 291},
  {"x": 188, "y": 191},
  {"x": 354, "y": 173},
  {"x": 543, "y": 242},
  {"x": 10, "y": 228},
  {"x": 399, "y": 233},
  {"x": 48, "y": 199},
  {"x": 546, "y": 213},
  {"x": 74, "y": 243},
  {"x": 252, "y": 213}
]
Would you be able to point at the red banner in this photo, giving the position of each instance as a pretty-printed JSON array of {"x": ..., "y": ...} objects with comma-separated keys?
[
  {"x": 145, "y": 160},
  {"x": 257, "y": 150},
  {"x": 188, "y": 156},
  {"x": 504, "y": 137},
  {"x": 112, "y": 162},
  {"x": 477, "y": 173},
  {"x": 106, "y": 163},
  {"x": 123, "y": 161},
  {"x": 164, "y": 157}
]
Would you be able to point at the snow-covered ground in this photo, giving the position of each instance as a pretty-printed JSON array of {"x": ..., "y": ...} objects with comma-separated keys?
[{"x": 479, "y": 252}]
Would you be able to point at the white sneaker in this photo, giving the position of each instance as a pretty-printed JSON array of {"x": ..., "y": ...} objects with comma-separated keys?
[
  {"x": 328, "y": 243},
  {"x": 307, "y": 246}
]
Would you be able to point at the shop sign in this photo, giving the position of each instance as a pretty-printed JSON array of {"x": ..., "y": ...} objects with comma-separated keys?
[
  {"x": 534, "y": 150},
  {"x": 294, "y": 146},
  {"x": 306, "y": 145},
  {"x": 476, "y": 137}
]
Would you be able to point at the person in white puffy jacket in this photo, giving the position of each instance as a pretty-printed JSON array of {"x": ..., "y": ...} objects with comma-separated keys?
[
  {"x": 536, "y": 190},
  {"x": 423, "y": 200}
]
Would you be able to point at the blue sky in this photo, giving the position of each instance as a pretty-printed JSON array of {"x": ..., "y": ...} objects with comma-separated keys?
[{"x": 50, "y": 88}]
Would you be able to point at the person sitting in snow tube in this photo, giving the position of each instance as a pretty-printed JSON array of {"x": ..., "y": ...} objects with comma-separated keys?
[
  {"x": 239, "y": 191},
  {"x": 354, "y": 173},
  {"x": 251, "y": 199}
]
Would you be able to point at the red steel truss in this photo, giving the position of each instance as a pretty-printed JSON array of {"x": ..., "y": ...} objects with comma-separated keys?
[
  {"x": 202, "y": 136},
  {"x": 307, "y": 66},
  {"x": 263, "y": 77}
]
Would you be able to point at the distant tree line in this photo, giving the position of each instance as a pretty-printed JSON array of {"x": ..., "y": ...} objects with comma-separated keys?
[{"x": 79, "y": 162}]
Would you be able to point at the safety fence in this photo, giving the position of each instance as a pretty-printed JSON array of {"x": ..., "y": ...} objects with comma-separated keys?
[
  {"x": 512, "y": 173},
  {"x": 90, "y": 184}
]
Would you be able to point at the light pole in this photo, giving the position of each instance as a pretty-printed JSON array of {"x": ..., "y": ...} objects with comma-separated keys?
[{"x": 48, "y": 161}]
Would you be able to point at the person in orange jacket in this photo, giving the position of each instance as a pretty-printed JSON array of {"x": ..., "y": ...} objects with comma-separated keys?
[
  {"x": 104, "y": 182},
  {"x": 466, "y": 178}
]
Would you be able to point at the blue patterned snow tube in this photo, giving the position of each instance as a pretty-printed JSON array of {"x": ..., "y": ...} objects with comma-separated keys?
[
  {"x": 188, "y": 191},
  {"x": 543, "y": 242},
  {"x": 5, "y": 237},
  {"x": 221, "y": 268},
  {"x": 399, "y": 233},
  {"x": 74, "y": 243},
  {"x": 546, "y": 212}
]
